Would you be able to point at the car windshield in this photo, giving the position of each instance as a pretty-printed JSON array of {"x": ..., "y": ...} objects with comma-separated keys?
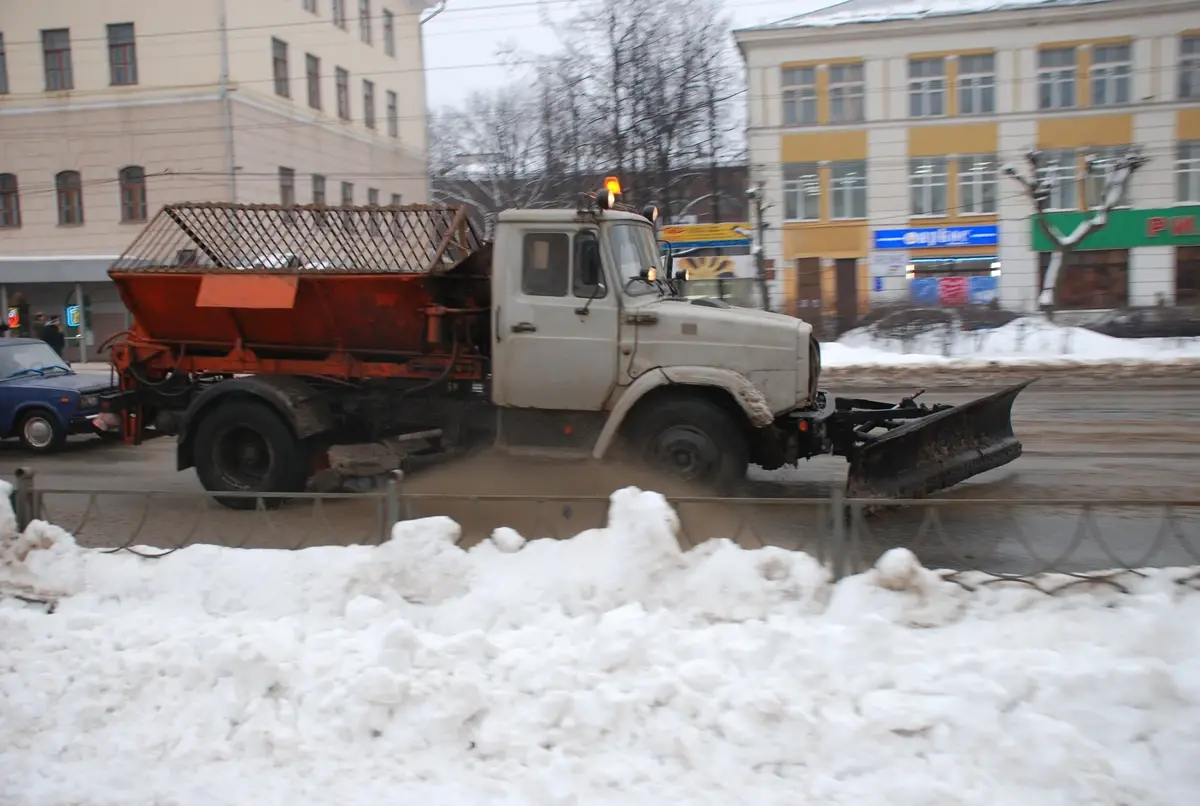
[
  {"x": 635, "y": 250},
  {"x": 34, "y": 358}
]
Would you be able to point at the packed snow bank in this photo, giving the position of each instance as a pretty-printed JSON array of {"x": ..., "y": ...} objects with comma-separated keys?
[
  {"x": 1028, "y": 340},
  {"x": 609, "y": 669}
]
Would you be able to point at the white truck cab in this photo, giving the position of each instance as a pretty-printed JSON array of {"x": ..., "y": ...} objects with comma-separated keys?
[{"x": 587, "y": 321}]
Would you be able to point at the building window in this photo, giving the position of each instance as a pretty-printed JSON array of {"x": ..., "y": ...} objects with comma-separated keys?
[
  {"x": 122, "y": 55},
  {"x": 3, "y": 68},
  {"x": 799, "y": 96},
  {"x": 56, "y": 57},
  {"x": 1056, "y": 78},
  {"x": 279, "y": 67},
  {"x": 364, "y": 20},
  {"x": 927, "y": 186},
  {"x": 339, "y": 13},
  {"x": 348, "y": 201},
  {"x": 977, "y": 84},
  {"x": 801, "y": 191},
  {"x": 1112, "y": 66},
  {"x": 393, "y": 114},
  {"x": 1091, "y": 278},
  {"x": 287, "y": 186},
  {"x": 132, "y": 180},
  {"x": 1189, "y": 68},
  {"x": 1060, "y": 169},
  {"x": 1187, "y": 275},
  {"x": 369, "y": 104},
  {"x": 977, "y": 184},
  {"x": 318, "y": 189},
  {"x": 927, "y": 88},
  {"x": 389, "y": 33},
  {"x": 546, "y": 264},
  {"x": 1187, "y": 172},
  {"x": 69, "y": 188},
  {"x": 848, "y": 189},
  {"x": 846, "y": 92},
  {"x": 396, "y": 200},
  {"x": 312, "y": 73},
  {"x": 1103, "y": 160},
  {"x": 342, "y": 82},
  {"x": 375, "y": 218},
  {"x": 10, "y": 202},
  {"x": 311, "y": 6}
]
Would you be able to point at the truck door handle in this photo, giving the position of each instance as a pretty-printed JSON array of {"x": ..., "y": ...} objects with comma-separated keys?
[{"x": 524, "y": 327}]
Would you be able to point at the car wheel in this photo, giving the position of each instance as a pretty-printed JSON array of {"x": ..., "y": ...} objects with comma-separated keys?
[
  {"x": 41, "y": 432},
  {"x": 694, "y": 441}
]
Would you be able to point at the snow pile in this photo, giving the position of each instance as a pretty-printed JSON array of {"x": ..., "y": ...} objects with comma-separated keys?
[
  {"x": 855, "y": 11},
  {"x": 1027, "y": 340},
  {"x": 613, "y": 668}
]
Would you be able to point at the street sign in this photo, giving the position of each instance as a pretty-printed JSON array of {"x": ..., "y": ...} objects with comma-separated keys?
[{"x": 72, "y": 316}]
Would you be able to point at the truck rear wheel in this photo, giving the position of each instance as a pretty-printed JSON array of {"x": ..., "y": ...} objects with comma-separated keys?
[
  {"x": 244, "y": 446},
  {"x": 693, "y": 440}
]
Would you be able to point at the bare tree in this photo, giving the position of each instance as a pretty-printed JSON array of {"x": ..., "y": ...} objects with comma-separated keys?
[
  {"x": 1114, "y": 175},
  {"x": 489, "y": 154}
]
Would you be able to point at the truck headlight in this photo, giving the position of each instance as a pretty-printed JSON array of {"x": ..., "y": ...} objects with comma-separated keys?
[{"x": 89, "y": 401}]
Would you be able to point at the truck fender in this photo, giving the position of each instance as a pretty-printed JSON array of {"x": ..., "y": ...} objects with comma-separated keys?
[
  {"x": 302, "y": 407},
  {"x": 751, "y": 401}
]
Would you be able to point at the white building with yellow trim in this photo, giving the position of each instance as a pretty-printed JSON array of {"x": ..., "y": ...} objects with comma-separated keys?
[{"x": 879, "y": 128}]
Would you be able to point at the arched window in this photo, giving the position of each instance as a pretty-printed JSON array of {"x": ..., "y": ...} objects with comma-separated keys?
[
  {"x": 10, "y": 201},
  {"x": 70, "y": 197},
  {"x": 133, "y": 193}
]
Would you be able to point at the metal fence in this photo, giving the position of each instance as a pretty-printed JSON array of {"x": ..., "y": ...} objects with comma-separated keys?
[{"x": 1049, "y": 543}]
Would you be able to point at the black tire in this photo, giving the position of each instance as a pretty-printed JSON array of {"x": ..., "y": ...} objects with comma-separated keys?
[
  {"x": 694, "y": 440},
  {"x": 245, "y": 446},
  {"x": 41, "y": 432}
]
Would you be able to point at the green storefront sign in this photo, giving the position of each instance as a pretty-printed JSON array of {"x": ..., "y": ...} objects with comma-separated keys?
[{"x": 1127, "y": 229}]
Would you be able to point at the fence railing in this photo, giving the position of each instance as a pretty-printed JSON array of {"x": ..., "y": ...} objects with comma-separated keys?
[{"x": 1050, "y": 542}]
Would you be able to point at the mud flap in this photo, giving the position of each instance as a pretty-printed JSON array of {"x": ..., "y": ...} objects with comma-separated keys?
[{"x": 924, "y": 456}]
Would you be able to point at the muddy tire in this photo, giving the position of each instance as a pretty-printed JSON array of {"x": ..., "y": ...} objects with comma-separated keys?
[
  {"x": 245, "y": 446},
  {"x": 692, "y": 440}
]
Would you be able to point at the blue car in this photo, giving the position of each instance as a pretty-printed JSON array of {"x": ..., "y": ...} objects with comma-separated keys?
[{"x": 42, "y": 400}]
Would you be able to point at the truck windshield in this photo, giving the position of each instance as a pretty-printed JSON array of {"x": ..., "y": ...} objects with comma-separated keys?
[
  {"x": 635, "y": 250},
  {"x": 36, "y": 358}
]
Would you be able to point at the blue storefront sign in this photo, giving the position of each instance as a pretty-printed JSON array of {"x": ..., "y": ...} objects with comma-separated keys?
[
  {"x": 936, "y": 237},
  {"x": 983, "y": 290},
  {"x": 925, "y": 290}
]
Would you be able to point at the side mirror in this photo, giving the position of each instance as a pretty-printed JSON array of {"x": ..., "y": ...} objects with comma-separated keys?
[{"x": 589, "y": 266}]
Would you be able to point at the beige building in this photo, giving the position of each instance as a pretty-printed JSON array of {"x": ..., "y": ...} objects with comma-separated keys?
[
  {"x": 880, "y": 130},
  {"x": 111, "y": 108}
]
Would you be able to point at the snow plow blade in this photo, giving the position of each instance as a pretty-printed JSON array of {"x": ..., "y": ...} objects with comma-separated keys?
[{"x": 935, "y": 452}]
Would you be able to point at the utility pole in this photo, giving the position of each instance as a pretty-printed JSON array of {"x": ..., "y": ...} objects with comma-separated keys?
[{"x": 756, "y": 194}]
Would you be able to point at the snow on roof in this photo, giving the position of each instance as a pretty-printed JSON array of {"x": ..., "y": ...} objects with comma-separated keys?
[{"x": 853, "y": 11}]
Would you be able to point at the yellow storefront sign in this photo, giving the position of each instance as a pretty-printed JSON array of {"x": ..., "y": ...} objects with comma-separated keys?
[{"x": 712, "y": 236}]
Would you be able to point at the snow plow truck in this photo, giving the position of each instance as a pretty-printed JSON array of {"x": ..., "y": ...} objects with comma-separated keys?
[{"x": 290, "y": 348}]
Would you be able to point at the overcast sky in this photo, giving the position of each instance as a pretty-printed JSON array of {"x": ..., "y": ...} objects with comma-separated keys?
[{"x": 462, "y": 43}]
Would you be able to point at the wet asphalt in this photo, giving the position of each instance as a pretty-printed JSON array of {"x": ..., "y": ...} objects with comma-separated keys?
[{"x": 1110, "y": 476}]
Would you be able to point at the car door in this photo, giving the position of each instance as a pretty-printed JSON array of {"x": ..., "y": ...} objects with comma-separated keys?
[{"x": 556, "y": 337}]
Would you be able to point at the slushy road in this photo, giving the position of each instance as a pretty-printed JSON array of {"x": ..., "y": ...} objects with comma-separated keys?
[{"x": 1097, "y": 442}]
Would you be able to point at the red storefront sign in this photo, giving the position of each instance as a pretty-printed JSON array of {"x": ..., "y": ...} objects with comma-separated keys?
[
  {"x": 953, "y": 290},
  {"x": 1178, "y": 226}
]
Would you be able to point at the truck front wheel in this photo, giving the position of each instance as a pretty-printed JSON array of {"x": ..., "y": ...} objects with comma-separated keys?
[
  {"x": 244, "y": 446},
  {"x": 694, "y": 440}
]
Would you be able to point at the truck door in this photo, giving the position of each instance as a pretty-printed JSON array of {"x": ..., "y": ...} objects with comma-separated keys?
[{"x": 555, "y": 338}]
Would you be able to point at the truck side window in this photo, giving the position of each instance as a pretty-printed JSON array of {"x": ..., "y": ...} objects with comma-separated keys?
[
  {"x": 546, "y": 265},
  {"x": 578, "y": 287}
]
